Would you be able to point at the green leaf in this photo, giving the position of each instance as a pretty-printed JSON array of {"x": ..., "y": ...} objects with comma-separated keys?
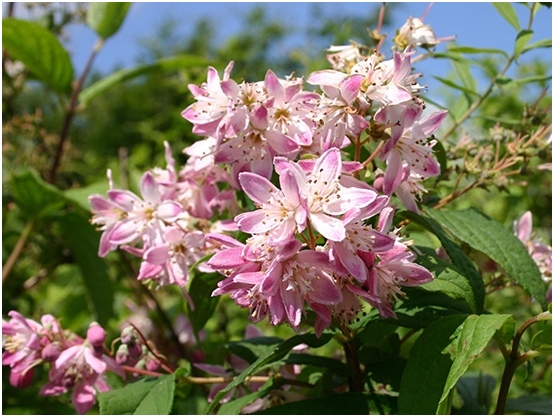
[
  {"x": 470, "y": 340},
  {"x": 448, "y": 279},
  {"x": 522, "y": 40},
  {"x": 530, "y": 404},
  {"x": 234, "y": 407},
  {"x": 508, "y": 12},
  {"x": 427, "y": 369},
  {"x": 152, "y": 396},
  {"x": 456, "y": 86},
  {"x": 40, "y": 51},
  {"x": 458, "y": 257},
  {"x": 80, "y": 195},
  {"x": 278, "y": 353},
  {"x": 463, "y": 71},
  {"x": 471, "y": 50},
  {"x": 106, "y": 18},
  {"x": 348, "y": 403},
  {"x": 118, "y": 77},
  {"x": 201, "y": 287},
  {"x": 498, "y": 243},
  {"x": 543, "y": 43},
  {"x": 83, "y": 240},
  {"x": 34, "y": 196},
  {"x": 532, "y": 79},
  {"x": 335, "y": 365}
]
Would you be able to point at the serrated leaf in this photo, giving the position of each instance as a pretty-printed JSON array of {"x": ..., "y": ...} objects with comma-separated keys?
[
  {"x": 348, "y": 403},
  {"x": 522, "y": 40},
  {"x": 458, "y": 257},
  {"x": 276, "y": 354},
  {"x": 472, "y": 50},
  {"x": 498, "y": 243},
  {"x": 200, "y": 290},
  {"x": 118, "y": 77},
  {"x": 508, "y": 12},
  {"x": 40, "y": 51},
  {"x": 83, "y": 240},
  {"x": 151, "y": 396},
  {"x": 448, "y": 279},
  {"x": 35, "y": 196},
  {"x": 530, "y": 404},
  {"x": 470, "y": 340},
  {"x": 234, "y": 407},
  {"x": 427, "y": 369},
  {"x": 106, "y": 18}
]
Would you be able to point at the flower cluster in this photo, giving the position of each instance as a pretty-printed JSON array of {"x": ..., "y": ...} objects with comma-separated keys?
[{"x": 77, "y": 365}]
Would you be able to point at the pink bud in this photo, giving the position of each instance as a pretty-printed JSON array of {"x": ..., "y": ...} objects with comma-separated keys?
[
  {"x": 122, "y": 354},
  {"x": 135, "y": 350},
  {"x": 96, "y": 334},
  {"x": 21, "y": 379},
  {"x": 51, "y": 352},
  {"x": 128, "y": 335},
  {"x": 152, "y": 364}
]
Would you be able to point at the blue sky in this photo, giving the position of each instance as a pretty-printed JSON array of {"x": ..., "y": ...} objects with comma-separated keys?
[{"x": 474, "y": 24}]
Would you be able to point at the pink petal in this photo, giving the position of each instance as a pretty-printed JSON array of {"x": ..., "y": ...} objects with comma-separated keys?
[
  {"x": 393, "y": 172},
  {"x": 325, "y": 290},
  {"x": 95, "y": 363},
  {"x": 352, "y": 262},
  {"x": 326, "y": 77},
  {"x": 125, "y": 200},
  {"x": 350, "y": 87},
  {"x": 83, "y": 397},
  {"x": 157, "y": 255},
  {"x": 169, "y": 210},
  {"x": 149, "y": 188},
  {"x": 227, "y": 259},
  {"x": 259, "y": 189},
  {"x": 124, "y": 232},
  {"x": 254, "y": 222}
]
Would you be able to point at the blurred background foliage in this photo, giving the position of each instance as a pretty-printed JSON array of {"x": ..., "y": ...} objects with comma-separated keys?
[{"x": 124, "y": 128}]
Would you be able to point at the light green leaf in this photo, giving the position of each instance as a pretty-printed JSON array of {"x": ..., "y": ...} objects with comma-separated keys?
[
  {"x": 508, "y": 12},
  {"x": 498, "y": 243},
  {"x": 80, "y": 195},
  {"x": 106, "y": 18},
  {"x": 448, "y": 279},
  {"x": 471, "y": 50},
  {"x": 543, "y": 43},
  {"x": 118, "y": 77},
  {"x": 463, "y": 71},
  {"x": 522, "y": 40},
  {"x": 532, "y": 79},
  {"x": 34, "y": 196},
  {"x": 470, "y": 340},
  {"x": 456, "y": 86},
  {"x": 276, "y": 354},
  {"x": 427, "y": 369},
  {"x": 83, "y": 240},
  {"x": 152, "y": 396},
  {"x": 40, "y": 51}
]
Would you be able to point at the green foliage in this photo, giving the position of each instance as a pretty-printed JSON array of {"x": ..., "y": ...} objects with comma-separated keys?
[
  {"x": 40, "y": 51},
  {"x": 348, "y": 403},
  {"x": 106, "y": 18},
  {"x": 151, "y": 396}
]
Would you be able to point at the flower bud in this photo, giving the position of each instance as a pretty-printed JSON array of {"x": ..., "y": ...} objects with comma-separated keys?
[
  {"x": 122, "y": 354},
  {"x": 152, "y": 364},
  {"x": 135, "y": 350},
  {"x": 21, "y": 379},
  {"x": 96, "y": 334},
  {"x": 128, "y": 335},
  {"x": 51, "y": 352}
]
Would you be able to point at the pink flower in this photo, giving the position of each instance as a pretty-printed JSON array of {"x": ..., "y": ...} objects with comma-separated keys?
[{"x": 80, "y": 368}]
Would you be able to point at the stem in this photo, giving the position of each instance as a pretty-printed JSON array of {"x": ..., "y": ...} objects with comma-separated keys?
[
  {"x": 18, "y": 248},
  {"x": 71, "y": 110},
  {"x": 513, "y": 361},
  {"x": 374, "y": 154},
  {"x": 355, "y": 381}
]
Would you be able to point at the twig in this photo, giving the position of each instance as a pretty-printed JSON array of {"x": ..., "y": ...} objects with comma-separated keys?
[{"x": 19, "y": 245}]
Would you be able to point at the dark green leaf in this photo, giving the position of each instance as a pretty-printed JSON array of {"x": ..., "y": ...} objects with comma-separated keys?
[
  {"x": 470, "y": 340},
  {"x": 348, "y": 403},
  {"x": 427, "y": 368},
  {"x": 335, "y": 365},
  {"x": 234, "y": 407},
  {"x": 83, "y": 240},
  {"x": 476, "y": 392},
  {"x": 40, "y": 52},
  {"x": 34, "y": 196},
  {"x": 106, "y": 18},
  {"x": 458, "y": 257},
  {"x": 522, "y": 40},
  {"x": 165, "y": 64},
  {"x": 151, "y": 396},
  {"x": 201, "y": 287},
  {"x": 448, "y": 279},
  {"x": 530, "y": 404},
  {"x": 276, "y": 354},
  {"x": 498, "y": 243},
  {"x": 507, "y": 11}
]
